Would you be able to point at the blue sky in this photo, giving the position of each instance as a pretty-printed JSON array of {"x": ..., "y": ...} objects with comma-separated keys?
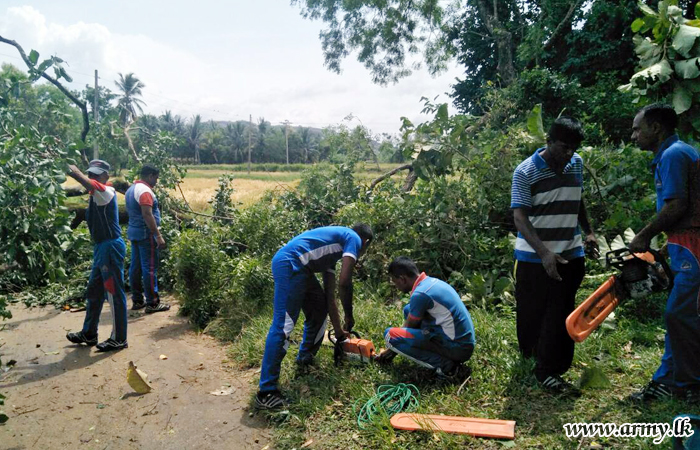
[{"x": 223, "y": 60}]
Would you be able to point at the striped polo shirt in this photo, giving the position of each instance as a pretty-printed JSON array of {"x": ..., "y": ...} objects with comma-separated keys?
[{"x": 552, "y": 202}]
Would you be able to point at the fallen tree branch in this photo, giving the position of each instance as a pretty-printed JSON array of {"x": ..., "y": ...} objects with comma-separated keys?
[
  {"x": 381, "y": 178},
  {"x": 80, "y": 104},
  {"x": 130, "y": 143}
]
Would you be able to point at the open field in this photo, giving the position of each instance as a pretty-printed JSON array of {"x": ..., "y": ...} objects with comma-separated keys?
[{"x": 201, "y": 182}]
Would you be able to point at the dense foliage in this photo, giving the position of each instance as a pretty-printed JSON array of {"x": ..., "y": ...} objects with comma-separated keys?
[{"x": 670, "y": 62}]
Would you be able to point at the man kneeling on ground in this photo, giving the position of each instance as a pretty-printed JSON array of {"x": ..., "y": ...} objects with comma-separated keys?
[{"x": 438, "y": 332}]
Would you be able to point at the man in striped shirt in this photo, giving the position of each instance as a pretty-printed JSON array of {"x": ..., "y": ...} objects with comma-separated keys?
[
  {"x": 549, "y": 214},
  {"x": 296, "y": 288}
]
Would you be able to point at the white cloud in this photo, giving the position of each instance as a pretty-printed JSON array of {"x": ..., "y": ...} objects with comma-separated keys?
[{"x": 233, "y": 76}]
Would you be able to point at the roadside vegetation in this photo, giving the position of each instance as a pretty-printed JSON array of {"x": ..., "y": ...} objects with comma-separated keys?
[{"x": 446, "y": 206}]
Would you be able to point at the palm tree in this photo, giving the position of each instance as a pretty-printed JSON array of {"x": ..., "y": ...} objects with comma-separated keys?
[
  {"x": 195, "y": 132},
  {"x": 130, "y": 87},
  {"x": 235, "y": 134},
  {"x": 263, "y": 127},
  {"x": 308, "y": 142}
]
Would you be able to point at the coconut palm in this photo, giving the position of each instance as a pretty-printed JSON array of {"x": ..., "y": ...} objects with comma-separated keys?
[
  {"x": 129, "y": 102},
  {"x": 195, "y": 132},
  {"x": 235, "y": 135}
]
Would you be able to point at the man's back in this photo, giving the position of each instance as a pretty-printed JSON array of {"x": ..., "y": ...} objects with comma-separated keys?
[
  {"x": 443, "y": 308},
  {"x": 139, "y": 194}
]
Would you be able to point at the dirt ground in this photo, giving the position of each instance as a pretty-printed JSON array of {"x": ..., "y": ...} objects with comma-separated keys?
[{"x": 60, "y": 395}]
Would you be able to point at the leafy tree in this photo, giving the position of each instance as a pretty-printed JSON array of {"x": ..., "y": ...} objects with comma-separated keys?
[
  {"x": 129, "y": 102},
  {"x": 105, "y": 109},
  {"x": 385, "y": 33},
  {"x": 670, "y": 62}
]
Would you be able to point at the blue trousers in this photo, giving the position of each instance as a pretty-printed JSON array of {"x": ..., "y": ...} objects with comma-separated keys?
[
  {"x": 680, "y": 364},
  {"x": 107, "y": 282},
  {"x": 294, "y": 291},
  {"x": 427, "y": 347},
  {"x": 143, "y": 271}
]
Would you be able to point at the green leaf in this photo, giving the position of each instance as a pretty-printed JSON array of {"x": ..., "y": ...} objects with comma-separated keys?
[
  {"x": 675, "y": 13},
  {"x": 646, "y": 10},
  {"x": 660, "y": 71},
  {"x": 3, "y": 417},
  {"x": 442, "y": 113},
  {"x": 697, "y": 10},
  {"x": 685, "y": 39},
  {"x": 647, "y": 51},
  {"x": 637, "y": 25},
  {"x": 33, "y": 57},
  {"x": 65, "y": 75},
  {"x": 594, "y": 377},
  {"x": 501, "y": 285},
  {"x": 682, "y": 99},
  {"x": 45, "y": 64},
  {"x": 534, "y": 123},
  {"x": 688, "y": 68}
]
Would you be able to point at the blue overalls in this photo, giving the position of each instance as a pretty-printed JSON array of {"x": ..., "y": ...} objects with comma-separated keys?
[
  {"x": 296, "y": 288},
  {"x": 676, "y": 176},
  {"x": 446, "y": 333},
  {"x": 107, "y": 276}
]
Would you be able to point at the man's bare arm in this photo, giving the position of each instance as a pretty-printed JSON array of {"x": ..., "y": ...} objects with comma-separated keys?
[
  {"x": 673, "y": 210},
  {"x": 149, "y": 218}
]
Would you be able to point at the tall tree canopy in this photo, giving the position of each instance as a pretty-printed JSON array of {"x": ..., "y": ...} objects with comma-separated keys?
[{"x": 493, "y": 40}]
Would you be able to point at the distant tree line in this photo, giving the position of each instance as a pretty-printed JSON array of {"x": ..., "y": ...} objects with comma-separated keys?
[{"x": 196, "y": 141}]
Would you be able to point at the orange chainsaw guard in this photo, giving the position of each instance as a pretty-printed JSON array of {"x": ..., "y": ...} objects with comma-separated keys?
[
  {"x": 361, "y": 349},
  {"x": 490, "y": 428},
  {"x": 593, "y": 311}
]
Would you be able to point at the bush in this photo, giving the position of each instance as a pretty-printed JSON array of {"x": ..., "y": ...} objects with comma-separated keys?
[
  {"x": 198, "y": 265},
  {"x": 249, "y": 291}
]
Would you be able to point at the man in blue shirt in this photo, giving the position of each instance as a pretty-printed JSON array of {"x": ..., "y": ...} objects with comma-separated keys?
[
  {"x": 549, "y": 213},
  {"x": 296, "y": 288},
  {"x": 437, "y": 332},
  {"x": 107, "y": 276},
  {"x": 146, "y": 241},
  {"x": 676, "y": 168}
]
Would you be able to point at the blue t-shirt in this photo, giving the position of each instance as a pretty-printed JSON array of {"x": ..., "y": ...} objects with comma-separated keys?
[
  {"x": 438, "y": 306},
  {"x": 673, "y": 168},
  {"x": 102, "y": 215},
  {"x": 318, "y": 250}
]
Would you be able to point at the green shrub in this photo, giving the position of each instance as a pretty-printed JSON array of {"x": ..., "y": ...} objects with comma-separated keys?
[
  {"x": 198, "y": 264},
  {"x": 249, "y": 292}
]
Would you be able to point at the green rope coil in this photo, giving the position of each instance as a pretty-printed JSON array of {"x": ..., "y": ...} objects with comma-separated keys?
[{"x": 391, "y": 400}]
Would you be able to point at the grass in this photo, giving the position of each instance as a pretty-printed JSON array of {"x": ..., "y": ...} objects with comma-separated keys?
[
  {"x": 201, "y": 182},
  {"x": 627, "y": 350}
]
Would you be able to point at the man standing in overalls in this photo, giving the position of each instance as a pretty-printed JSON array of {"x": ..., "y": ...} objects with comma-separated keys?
[{"x": 676, "y": 168}]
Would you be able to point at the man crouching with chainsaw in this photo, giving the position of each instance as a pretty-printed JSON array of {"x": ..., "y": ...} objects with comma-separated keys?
[
  {"x": 296, "y": 288},
  {"x": 676, "y": 168},
  {"x": 438, "y": 332}
]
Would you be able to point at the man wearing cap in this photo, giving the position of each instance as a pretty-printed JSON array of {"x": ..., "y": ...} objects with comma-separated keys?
[
  {"x": 107, "y": 276},
  {"x": 146, "y": 240}
]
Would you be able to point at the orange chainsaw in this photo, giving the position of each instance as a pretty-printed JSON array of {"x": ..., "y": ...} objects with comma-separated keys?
[
  {"x": 640, "y": 274},
  {"x": 354, "y": 349}
]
